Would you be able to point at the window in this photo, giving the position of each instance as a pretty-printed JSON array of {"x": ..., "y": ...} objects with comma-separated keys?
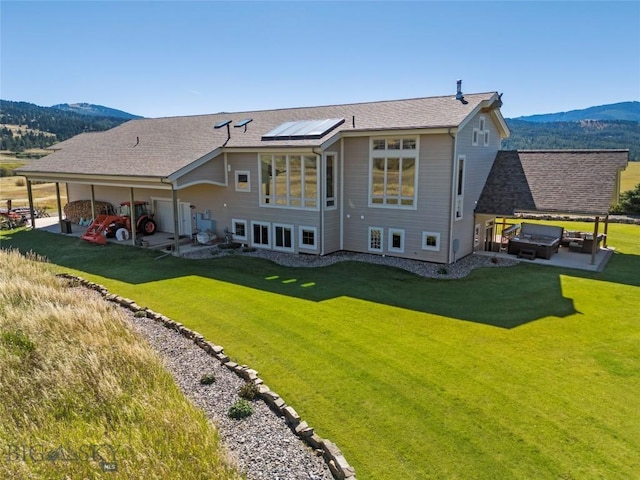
[
  {"x": 242, "y": 181},
  {"x": 396, "y": 240},
  {"x": 393, "y": 172},
  {"x": 239, "y": 229},
  {"x": 307, "y": 237},
  {"x": 431, "y": 241},
  {"x": 330, "y": 180},
  {"x": 375, "y": 239},
  {"x": 289, "y": 181},
  {"x": 282, "y": 237},
  {"x": 480, "y": 132},
  {"x": 460, "y": 187},
  {"x": 260, "y": 234}
]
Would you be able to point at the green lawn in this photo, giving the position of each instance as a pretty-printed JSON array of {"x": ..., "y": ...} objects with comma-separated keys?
[
  {"x": 630, "y": 177},
  {"x": 523, "y": 372}
]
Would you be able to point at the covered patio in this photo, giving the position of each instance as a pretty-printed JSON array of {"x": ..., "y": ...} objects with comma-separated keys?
[{"x": 569, "y": 184}]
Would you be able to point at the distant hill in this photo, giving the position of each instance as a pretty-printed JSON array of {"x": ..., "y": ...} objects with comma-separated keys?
[
  {"x": 615, "y": 111},
  {"x": 94, "y": 110},
  {"x": 26, "y": 125},
  {"x": 594, "y": 134}
]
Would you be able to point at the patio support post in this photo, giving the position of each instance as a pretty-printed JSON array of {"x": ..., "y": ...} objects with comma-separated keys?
[
  {"x": 176, "y": 223},
  {"x": 594, "y": 245},
  {"x": 606, "y": 231},
  {"x": 30, "y": 197},
  {"x": 59, "y": 204},
  {"x": 132, "y": 215},
  {"x": 93, "y": 204}
]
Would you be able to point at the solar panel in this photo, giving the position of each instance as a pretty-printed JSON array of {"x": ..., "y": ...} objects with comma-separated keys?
[
  {"x": 303, "y": 129},
  {"x": 243, "y": 123}
]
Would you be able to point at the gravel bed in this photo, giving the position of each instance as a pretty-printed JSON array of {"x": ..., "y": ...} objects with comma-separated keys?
[
  {"x": 261, "y": 445},
  {"x": 460, "y": 269}
]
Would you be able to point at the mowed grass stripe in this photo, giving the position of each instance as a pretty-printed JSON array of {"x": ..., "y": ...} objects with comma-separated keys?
[{"x": 418, "y": 378}]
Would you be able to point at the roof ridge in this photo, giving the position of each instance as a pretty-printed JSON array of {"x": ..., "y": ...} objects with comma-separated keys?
[{"x": 320, "y": 106}]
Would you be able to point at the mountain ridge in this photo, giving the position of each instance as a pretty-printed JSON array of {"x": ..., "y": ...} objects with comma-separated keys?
[
  {"x": 95, "y": 110},
  {"x": 613, "y": 111}
]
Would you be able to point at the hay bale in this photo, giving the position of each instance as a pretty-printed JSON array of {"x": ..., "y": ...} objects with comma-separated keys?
[{"x": 74, "y": 211}]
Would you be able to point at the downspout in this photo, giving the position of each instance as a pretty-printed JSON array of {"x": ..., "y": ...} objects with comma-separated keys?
[
  {"x": 321, "y": 204},
  {"x": 176, "y": 224},
  {"x": 452, "y": 194}
]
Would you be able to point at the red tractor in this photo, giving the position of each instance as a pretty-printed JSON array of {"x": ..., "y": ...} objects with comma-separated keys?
[{"x": 119, "y": 226}]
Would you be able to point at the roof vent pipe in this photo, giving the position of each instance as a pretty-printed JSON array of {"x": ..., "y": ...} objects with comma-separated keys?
[{"x": 459, "y": 95}]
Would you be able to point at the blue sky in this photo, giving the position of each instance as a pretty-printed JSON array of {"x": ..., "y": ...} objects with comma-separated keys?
[{"x": 166, "y": 58}]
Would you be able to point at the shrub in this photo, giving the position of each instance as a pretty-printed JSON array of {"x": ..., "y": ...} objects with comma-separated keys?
[
  {"x": 240, "y": 409},
  {"x": 140, "y": 314},
  {"x": 208, "y": 379},
  {"x": 443, "y": 270},
  {"x": 20, "y": 182},
  {"x": 629, "y": 203},
  {"x": 248, "y": 391}
]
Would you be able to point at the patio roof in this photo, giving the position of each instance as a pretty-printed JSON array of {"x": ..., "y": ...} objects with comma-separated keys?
[{"x": 581, "y": 182}]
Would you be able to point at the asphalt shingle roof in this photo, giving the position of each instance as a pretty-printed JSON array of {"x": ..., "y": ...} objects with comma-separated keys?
[
  {"x": 552, "y": 181},
  {"x": 158, "y": 147}
]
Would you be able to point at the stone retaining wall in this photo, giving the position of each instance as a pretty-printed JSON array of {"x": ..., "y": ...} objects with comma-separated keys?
[{"x": 338, "y": 465}]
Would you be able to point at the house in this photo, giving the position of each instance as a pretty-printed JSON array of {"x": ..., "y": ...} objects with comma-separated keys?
[{"x": 397, "y": 178}]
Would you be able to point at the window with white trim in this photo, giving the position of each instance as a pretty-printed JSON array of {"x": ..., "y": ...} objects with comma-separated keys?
[
  {"x": 330, "y": 180},
  {"x": 396, "y": 240},
  {"x": 307, "y": 237},
  {"x": 431, "y": 241},
  {"x": 480, "y": 132},
  {"x": 243, "y": 183},
  {"x": 282, "y": 237},
  {"x": 289, "y": 181},
  {"x": 375, "y": 239},
  {"x": 460, "y": 187},
  {"x": 260, "y": 237},
  {"x": 239, "y": 229},
  {"x": 393, "y": 172}
]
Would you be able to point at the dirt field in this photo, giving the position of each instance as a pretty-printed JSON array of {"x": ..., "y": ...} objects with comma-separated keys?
[{"x": 44, "y": 194}]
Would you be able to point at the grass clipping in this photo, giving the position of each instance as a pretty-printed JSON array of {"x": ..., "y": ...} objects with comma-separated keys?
[{"x": 80, "y": 394}]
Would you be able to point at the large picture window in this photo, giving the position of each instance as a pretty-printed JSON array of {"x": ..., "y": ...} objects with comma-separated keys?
[
  {"x": 289, "y": 181},
  {"x": 393, "y": 172}
]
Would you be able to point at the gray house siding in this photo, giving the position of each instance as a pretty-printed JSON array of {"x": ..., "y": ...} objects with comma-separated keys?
[
  {"x": 331, "y": 224},
  {"x": 433, "y": 200},
  {"x": 211, "y": 171},
  {"x": 478, "y": 161}
]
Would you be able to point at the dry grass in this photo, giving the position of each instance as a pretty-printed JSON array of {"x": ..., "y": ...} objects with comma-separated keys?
[
  {"x": 44, "y": 194},
  {"x": 72, "y": 375}
]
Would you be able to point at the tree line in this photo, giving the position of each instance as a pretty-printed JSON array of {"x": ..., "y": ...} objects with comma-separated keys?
[
  {"x": 585, "y": 134},
  {"x": 59, "y": 123}
]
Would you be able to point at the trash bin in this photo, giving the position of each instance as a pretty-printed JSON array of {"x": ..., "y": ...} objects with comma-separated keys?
[{"x": 65, "y": 225}]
